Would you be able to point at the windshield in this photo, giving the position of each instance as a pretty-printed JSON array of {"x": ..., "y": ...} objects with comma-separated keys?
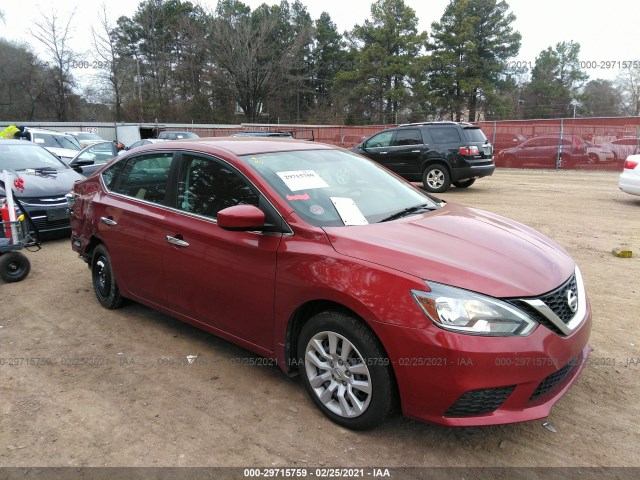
[
  {"x": 330, "y": 188},
  {"x": 87, "y": 136},
  {"x": 27, "y": 155},
  {"x": 52, "y": 140}
]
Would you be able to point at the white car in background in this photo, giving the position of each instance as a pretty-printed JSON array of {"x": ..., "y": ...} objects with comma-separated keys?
[
  {"x": 59, "y": 143},
  {"x": 630, "y": 177},
  {"x": 622, "y": 147},
  {"x": 599, "y": 154},
  {"x": 86, "y": 138}
]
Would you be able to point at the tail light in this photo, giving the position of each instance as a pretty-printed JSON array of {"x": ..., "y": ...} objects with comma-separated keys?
[
  {"x": 630, "y": 164},
  {"x": 472, "y": 150}
]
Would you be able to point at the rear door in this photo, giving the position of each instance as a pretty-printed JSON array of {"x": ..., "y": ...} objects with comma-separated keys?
[{"x": 130, "y": 221}]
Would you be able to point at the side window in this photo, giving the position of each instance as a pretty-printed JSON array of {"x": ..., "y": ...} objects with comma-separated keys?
[
  {"x": 382, "y": 139},
  {"x": 408, "y": 137},
  {"x": 145, "y": 177},
  {"x": 445, "y": 135},
  {"x": 110, "y": 175},
  {"x": 206, "y": 186},
  {"x": 99, "y": 153}
]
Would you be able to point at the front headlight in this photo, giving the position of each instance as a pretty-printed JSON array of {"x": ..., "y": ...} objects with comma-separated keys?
[{"x": 463, "y": 311}]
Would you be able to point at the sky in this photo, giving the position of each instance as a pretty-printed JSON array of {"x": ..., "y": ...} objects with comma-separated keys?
[{"x": 604, "y": 30}]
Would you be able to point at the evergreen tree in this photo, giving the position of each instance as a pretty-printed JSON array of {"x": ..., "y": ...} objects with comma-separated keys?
[
  {"x": 384, "y": 50},
  {"x": 470, "y": 47},
  {"x": 556, "y": 81}
]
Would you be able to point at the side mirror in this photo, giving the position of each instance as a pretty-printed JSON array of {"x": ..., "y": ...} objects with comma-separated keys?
[
  {"x": 241, "y": 218},
  {"x": 81, "y": 163}
]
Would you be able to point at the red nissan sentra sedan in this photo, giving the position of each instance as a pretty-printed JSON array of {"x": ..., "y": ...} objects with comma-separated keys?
[{"x": 342, "y": 272}]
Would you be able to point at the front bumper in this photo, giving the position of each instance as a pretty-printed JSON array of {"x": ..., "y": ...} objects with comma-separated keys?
[
  {"x": 464, "y": 380},
  {"x": 49, "y": 218}
]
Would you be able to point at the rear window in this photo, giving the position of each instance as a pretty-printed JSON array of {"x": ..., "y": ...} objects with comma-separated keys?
[{"x": 474, "y": 135}]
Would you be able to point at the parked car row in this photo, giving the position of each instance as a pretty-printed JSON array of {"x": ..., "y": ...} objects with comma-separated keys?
[{"x": 363, "y": 277}]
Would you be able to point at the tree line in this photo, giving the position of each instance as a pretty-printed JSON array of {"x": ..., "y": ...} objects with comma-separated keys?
[{"x": 175, "y": 61}]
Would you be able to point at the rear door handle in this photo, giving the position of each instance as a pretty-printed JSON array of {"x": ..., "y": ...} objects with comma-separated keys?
[
  {"x": 383, "y": 153},
  {"x": 108, "y": 221},
  {"x": 176, "y": 241},
  {"x": 415, "y": 151}
]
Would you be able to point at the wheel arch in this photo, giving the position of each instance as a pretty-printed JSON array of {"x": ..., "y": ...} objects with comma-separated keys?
[
  {"x": 94, "y": 241},
  {"x": 435, "y": 161},
  {"x": 305, "y": 312}
]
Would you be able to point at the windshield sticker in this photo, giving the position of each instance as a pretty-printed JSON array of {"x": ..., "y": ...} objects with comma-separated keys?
[
  {"x": 304, "y": 196},
  {"x": 298, "y": 180},
  {"x": 38, "y": 140},
  {"x": 349, "y": 211},
  {"x": 317, "y": 209}
]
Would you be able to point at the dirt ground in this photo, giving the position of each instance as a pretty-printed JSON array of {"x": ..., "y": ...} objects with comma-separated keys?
[{"x": 114, "y": 388}]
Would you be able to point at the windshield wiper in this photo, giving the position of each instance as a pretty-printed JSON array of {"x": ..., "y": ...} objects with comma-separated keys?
[{"x": 407, "y": 211}]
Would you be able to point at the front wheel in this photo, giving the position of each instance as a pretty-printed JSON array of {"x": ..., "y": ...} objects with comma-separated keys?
[
  {"x": 436, "y": 179},
  {"x": 104, "y": 283},
  {"x": 345, "y": 370},
  {"x": 14, "y": 267},
  {"x": 465, "y": 183}
]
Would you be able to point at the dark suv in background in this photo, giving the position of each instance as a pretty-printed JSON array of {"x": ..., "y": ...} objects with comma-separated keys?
[{"x": 436, "y": 153}]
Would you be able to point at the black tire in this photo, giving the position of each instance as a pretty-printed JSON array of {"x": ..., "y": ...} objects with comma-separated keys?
[
  {"x": 104, "y": 282},
  {"x": 465, "y": 183},
  {"x": 509, "y": 162},
  {"x": 357, "y": 391},
  {"x": 14, "y": 267},
  {"x": 593, "y": 158},
  {"x": 436, "y": 178}
]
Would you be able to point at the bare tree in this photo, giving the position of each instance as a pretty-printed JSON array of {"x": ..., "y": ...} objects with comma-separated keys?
[
  {"x": 628, "y": 83},
  {"x": 112, "y": 65},
  {"x": 252, "y": 56},
  {"x": 55, "y": 34}
]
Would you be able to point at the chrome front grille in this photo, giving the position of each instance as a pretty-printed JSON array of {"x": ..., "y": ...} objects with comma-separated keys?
[
  {"x": 557, "y": 300},
  {"x": 562, "y": 309},
  {"x": 44, "y": 201}
]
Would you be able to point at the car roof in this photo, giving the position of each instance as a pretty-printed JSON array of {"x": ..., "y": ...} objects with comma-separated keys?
[
  {"x": 440, "y": 123},
  {"x": 19, "y": 142},
  {"x": 240, "y": 145},
  {"x": 45, "y": 130}
]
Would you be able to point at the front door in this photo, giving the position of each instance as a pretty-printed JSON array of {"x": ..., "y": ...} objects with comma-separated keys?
[{"x": 225, "y": 279}]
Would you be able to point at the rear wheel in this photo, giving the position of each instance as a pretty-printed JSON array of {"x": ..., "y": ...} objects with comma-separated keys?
[
  {"x": 14, "y": 266},
  {"x": 104, "y": 283},
  {"x": 345, "y": 370},
  {"x": 465, "y": 183},
  {"x": 436, "y": 179}
]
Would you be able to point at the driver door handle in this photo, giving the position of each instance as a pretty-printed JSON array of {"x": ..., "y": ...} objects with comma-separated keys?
[
  {"x": 108, "y": 221},
  {"x": 176, "y": 241}
]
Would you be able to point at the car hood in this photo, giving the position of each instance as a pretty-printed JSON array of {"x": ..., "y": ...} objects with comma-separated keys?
[
  {"x": 463, "y": 247},
  {"x": 45, "y": 183},
  {"x": 66, "y": 154}
]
